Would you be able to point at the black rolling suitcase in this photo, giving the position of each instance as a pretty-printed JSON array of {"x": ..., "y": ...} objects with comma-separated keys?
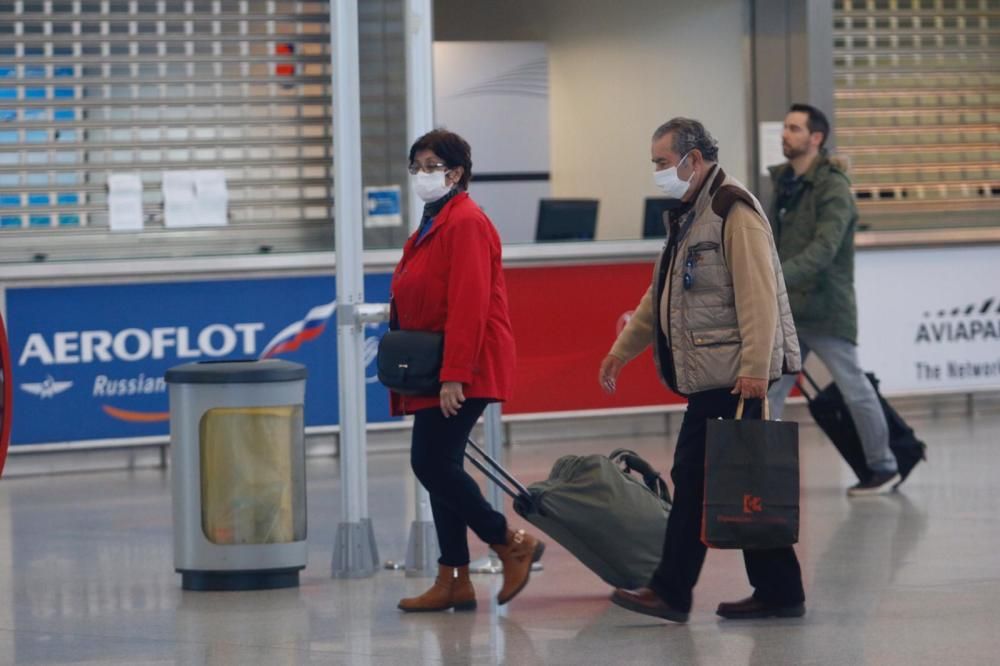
[
  {"x": 831, "y": 414},
  {"x": 610, "y": 521}
]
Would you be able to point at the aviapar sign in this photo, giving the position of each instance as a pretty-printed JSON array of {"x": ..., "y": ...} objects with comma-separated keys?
[{"x": 930, "y": 319}]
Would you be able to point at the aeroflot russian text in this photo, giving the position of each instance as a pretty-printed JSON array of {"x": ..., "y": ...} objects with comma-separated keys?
[{"x": 136, "y": 344}]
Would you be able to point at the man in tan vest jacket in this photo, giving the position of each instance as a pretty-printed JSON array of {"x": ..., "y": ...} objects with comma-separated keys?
[{"x": 718, "y": 319}]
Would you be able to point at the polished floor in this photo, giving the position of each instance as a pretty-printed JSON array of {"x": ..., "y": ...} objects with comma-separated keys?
[{"x": 86, "y": 577}]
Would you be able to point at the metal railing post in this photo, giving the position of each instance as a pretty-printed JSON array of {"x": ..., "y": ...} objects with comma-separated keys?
[{"x": 355, "y": 554}]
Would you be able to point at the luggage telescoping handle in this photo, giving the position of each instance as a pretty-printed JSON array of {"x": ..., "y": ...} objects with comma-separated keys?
[
  {"x": 500, "y": 476},
  {"x": 812, "y": 382}
]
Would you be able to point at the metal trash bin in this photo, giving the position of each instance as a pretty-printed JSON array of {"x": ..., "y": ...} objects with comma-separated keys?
[{"x": 238, "y": 456}]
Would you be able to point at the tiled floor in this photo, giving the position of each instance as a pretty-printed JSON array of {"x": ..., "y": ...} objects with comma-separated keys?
[{"x": 86, "y": 577}]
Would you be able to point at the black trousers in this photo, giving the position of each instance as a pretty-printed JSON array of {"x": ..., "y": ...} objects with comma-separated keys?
[
  {"x": 437, "y": 456},
  {"x": 774, "y": 574}
]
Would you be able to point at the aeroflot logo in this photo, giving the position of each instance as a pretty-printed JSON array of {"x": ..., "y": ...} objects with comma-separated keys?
[
  {"x": 215, "y": 340},
  {"x": 47, "y": 388},
  {"x": 136, "y": 344}
]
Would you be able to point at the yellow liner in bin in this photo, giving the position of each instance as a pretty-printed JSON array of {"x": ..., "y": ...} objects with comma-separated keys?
[{"x": 248, "y": 475}]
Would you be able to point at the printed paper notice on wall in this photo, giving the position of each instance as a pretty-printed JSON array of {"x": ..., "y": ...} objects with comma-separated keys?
[
  {"x": 195, "y": 198},
  {"x": 769, "y": 145},
  {"x": 211, "y": 197},
  {"x": 125, "y": 202},
  {"x": 382, "y": 207}
]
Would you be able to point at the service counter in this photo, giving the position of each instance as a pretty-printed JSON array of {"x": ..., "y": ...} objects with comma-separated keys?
[{"x": 90, "y": 342}]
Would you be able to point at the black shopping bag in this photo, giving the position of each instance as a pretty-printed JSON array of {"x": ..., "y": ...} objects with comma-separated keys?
[{"x": 751, "y": 483}]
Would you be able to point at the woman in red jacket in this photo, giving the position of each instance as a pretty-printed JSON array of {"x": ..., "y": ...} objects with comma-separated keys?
[{"x": 450, "y": 280}]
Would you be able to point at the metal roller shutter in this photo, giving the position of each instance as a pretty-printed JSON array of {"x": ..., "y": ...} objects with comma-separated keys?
[
  {"x": 91, "y": 88},
  {"x": 918, "y": 109}
]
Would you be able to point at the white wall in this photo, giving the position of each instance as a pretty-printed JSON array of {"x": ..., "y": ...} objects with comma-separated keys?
[
  {"x": 617, "y": 70},
  {"x": 496, "y": 95}
]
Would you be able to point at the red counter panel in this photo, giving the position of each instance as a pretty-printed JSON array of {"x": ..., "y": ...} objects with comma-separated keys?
[{"x": 565, "y": 319}]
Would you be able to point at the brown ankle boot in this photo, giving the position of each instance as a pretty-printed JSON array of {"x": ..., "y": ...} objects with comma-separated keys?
[
  {"x": 451, "y": 589},
  {"x": 517, "y": 555}
]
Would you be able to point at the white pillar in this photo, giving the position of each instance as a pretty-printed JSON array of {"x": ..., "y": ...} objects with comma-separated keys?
[
  {"x": 354, "y": 554},
  {"x": 422, "y": 550},
  {"x": 419, "y": 82}
]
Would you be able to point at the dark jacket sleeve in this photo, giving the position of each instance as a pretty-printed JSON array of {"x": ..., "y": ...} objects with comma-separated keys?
[
  {"x": 834, "y": 214},
  {"x": 470, "y": 289}
]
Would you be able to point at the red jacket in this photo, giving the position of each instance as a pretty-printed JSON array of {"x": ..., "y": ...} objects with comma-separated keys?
[{"x": 451, "y": 280}]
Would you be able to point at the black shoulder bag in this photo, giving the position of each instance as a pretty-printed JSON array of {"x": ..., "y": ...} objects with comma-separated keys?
[{"x": 409, "y": 362}]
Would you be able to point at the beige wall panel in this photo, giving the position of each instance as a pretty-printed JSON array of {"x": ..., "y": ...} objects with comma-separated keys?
[{"x": 616, "y": 71}]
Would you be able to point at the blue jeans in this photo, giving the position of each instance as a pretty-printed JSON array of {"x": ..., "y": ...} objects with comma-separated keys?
[{"x": 841, "y": 359}]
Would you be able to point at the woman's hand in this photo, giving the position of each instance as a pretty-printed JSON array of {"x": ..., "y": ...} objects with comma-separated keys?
[{"x": 451, "y": 398}]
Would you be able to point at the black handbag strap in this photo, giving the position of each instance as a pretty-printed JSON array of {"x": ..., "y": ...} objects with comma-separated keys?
[
  {"x": 393, "y": 317},
  {"x": 632, "y": 461}
]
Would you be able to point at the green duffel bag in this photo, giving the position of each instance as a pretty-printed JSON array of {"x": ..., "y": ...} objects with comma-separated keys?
[{"x": 597, "y": 510}]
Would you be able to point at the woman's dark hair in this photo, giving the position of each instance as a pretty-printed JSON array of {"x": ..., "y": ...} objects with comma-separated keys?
[
  {"x": 816, "y": 122},
  {"x": 451, "y": 148}
]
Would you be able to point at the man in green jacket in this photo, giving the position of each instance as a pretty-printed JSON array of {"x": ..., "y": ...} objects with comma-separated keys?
[{"x": 813, "y": 217}]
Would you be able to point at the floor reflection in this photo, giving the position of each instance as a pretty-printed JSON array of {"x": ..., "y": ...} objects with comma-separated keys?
[{"x": 86, "y": 576}]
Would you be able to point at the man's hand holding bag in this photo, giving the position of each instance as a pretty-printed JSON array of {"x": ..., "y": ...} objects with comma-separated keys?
[{"x": 751, "y": 483}]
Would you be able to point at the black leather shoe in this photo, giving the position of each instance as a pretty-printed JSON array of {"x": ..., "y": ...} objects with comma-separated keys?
[
  {"x": 880, "y": 483},
  {"x": 753, "y": 609},
  {"x": 645, "y": 601}
]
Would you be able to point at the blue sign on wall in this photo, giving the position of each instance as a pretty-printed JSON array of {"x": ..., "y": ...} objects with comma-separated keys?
[
  {"x": 88, "y": 362},
  {"x": 382, "y": 206}
]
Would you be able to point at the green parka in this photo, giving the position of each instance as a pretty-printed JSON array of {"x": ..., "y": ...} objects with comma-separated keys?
[{"x": 814, "y": 233}]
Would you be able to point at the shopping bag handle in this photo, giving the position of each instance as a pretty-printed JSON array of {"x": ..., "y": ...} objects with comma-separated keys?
[{"x": 767, "y": 409}]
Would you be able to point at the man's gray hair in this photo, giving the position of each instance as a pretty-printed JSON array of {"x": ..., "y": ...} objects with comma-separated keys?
[{"x": 689, "y": 134}]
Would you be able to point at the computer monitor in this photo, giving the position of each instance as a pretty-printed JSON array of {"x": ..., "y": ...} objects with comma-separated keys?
[
  {"x": 566, "y": 219},
  {"x": 652, "y": 217}
]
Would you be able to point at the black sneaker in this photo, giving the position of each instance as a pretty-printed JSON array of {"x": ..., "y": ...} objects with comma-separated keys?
[{"x": 879, "y": 483}]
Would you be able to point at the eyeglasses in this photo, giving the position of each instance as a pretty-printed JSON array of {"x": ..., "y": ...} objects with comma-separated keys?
[{"x": 414, "y": 169}]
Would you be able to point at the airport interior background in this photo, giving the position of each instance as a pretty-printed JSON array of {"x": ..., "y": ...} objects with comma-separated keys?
[{"x": 169, "y": 176}]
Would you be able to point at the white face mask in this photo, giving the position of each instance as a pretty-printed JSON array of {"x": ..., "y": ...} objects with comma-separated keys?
[
  {"x": 670, "y": 183},
  {"x": 430, "y": 186}
]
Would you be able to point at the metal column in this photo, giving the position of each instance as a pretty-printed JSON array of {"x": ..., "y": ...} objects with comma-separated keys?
[
  {"x": 422, "y": 549},
  {"x": 355, "y": 554}
]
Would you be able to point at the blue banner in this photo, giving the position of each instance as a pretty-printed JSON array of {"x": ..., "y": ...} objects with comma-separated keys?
[{"x": 88, "y": 362}]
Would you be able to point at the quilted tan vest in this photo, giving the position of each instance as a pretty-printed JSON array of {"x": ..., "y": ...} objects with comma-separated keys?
[{"x": 703, "y": 341}]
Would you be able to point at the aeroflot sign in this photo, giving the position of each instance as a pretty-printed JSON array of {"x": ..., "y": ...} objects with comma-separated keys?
[
  {"x": 90, "y": 360},
  {"x": 136, "y": 344}
]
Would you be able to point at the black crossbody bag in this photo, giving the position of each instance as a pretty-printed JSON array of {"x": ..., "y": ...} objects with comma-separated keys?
[{"x": 409, "y": 362}]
